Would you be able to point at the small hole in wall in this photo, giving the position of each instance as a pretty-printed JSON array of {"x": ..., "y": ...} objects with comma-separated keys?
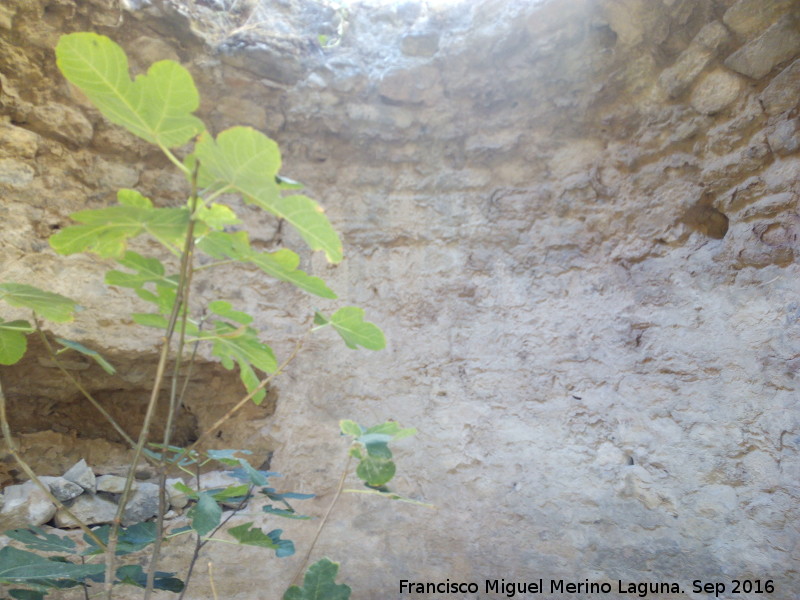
[
  {"x": 56, "y": 426},
  {"x": 705, "y": 219}
]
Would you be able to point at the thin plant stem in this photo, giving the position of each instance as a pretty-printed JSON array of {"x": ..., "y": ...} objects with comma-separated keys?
[
  {"x": 181, "y": 301},
  {"x": 174, "y": 406},
  {"x": 117, "y": 427},
  {"x": 12, "y": 447},
  {"x": 83, "y": 585},
  {"x": 262, "y": 384},
  {"x": 195, "y": 554},
  {"x": 322, "y": 523},
  {"x": 211, "y": 580},
  {"x": 202, "y": 541}
]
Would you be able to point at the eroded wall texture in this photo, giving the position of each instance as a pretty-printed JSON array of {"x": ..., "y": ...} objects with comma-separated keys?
[{"x": 575, "y": 220}]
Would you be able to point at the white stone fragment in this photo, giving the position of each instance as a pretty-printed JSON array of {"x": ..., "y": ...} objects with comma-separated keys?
[
  {"x": 113, "y": 484},
  {"x": 777, "y": 44},
  {"x": 81, "y": 474},
  {"x": 716, "y": 91},
  {"x": 63, "y": 489},
  {"x": 25, "y": 505},
  {"x": 143, "y": 504},
  {"x": 177, "y": 499},
  {"x": 89, "y": 508}
]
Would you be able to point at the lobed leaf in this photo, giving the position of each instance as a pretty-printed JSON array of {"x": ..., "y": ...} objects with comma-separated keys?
[
  {"x": 221, "y": 245},
  {"x": 53, "y": 307},
  {"x": 106, "y": 231},
  {"x": 135, "y": 575},
  {"x": 150, "y": 320},
  {"x": 13, "y": 341},
  {"x": 287, "y": 513},
  {"x": 156, "y": 107},
  {"x": 205, "y": 515},
  {"x": 93, "y": 354},
  {"x": 36, "y": 539},
  {"x": 147, "y": 270},
  {"x": 349, "y": 323},
  {"x": 319, "y": 584},
  {"x": 26, "y": 594},
  {"x": 216, "y": 216},
  {"x": 376, "y": 471},
  {"x": 247, "y": 162},
  {"x": 226, "y": 311},
  {"x": 281, "y": 264},
  {"x": 241, "y": 345},
  {"x": 232, "y": 492},
  {"x": 131, "y": 539},
  {"x": 247, "y": 472},
  {"x": 378, "y": 450},
  {"x": 253, "y": 536},
  {"x": 350, "y": 428},
  {"x": 20, "y": 565},
  {"x": 227, "y": 456}
]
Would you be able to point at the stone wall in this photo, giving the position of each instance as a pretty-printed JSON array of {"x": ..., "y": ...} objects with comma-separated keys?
[{"x": 576, "y": 222}]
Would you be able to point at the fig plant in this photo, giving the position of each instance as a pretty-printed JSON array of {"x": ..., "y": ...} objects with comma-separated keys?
[{"x": 205, "y": 233}]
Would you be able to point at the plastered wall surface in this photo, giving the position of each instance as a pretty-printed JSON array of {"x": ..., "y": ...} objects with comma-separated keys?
[{"x": 577, "y": 223}]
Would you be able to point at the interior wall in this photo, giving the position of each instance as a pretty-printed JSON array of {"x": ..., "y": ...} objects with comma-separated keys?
[{"x": 576, "y": 221}]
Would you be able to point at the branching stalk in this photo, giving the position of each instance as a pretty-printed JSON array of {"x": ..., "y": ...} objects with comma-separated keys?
[
  {"x": 322, "y": 523},
  {"x": 181, "y": 301},
  {"x": 174, "y": 406}
]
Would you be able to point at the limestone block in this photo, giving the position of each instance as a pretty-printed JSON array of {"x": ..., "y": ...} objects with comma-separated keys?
[
  {"x": 783, "y": 92},
  {"x": 420, "y": 44},
  {"x": 751, "y": 17},
  {"x": 278, "y": 63},
  {"x": 214, "y": 480},
  {"x": 712, "y": 36},
  {"x": 18, "y": 142},
  {"x": 143, "y": 504},
  {"x": 636, "y": 20},
  {"x": 61, "y": 122},
  {"x": 61, "y": 488},
  {"x": 24, "y": 505},
  {"x": 410, "y": 86},
  {"x": 784, "y": 137},
  {"x": 240, "y": 111},
  {"x": 115, "y": 175},
  {"x": 177, "y": 499},
  {"x": 677, "y": 78},
  {"x": 758, "y": 57},
  {"x": 89, "y": 508},
  {"x": 81, "y": 474},
  {"x": 146, "y": 50},
  {"x": 113, "y": 484},
  {"x": 7, "y": 16},
  {"x": 715, "y": 91},
  {"x": 15, "y": 173}
]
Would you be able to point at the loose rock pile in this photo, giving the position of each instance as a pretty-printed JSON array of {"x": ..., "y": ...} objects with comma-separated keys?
[{"x": 90, "y": 497}]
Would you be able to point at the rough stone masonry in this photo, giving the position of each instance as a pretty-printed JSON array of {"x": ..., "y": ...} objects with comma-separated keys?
[{"x": 576, "y": 221}]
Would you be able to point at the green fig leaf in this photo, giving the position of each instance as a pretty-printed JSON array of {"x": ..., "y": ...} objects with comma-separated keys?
[
  {"x": 13, "y": 341},
  {"x": 156, "y": 107},
  {"x": 349, "y": 323},
  {"x": 319, "y": 584},
  {"x": 53, "y": 307},
  {"x": 246, "y": 161}
]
